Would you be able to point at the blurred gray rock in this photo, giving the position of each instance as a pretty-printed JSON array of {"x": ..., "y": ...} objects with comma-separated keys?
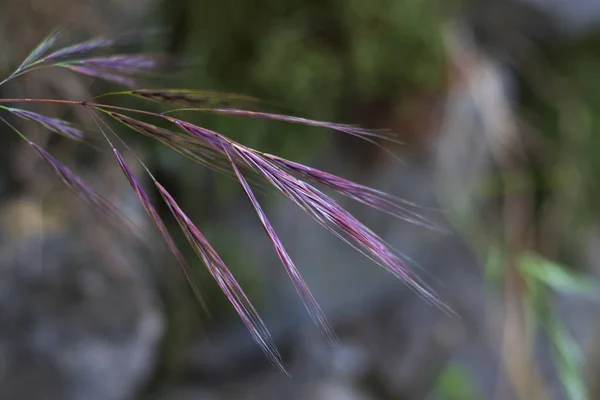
[
  {"x": 79, "y": 319},
  {"x": 575, "y": 16}
]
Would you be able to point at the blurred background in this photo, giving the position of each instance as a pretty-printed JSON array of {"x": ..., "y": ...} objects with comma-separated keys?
[{"x": 497, "y": 106}]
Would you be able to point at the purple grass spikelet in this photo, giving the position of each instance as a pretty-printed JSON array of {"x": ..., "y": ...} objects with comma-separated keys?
[
  {"x": 371, "y": 197},
  {"x": 224, "y": 279},
  {"x": 301, "y": 287},
  {"x": 348, "y": 129},
  {"x": 78, "y": 49},
  {"x": 39, "y": 50},
  {"x": 59, "y": 126},
  {"x": 102, "y": 74},
  {"x": 83, "y": 190},
  {"x": 124, "y": 64},
  {"x": 151, "y": 211},
  {"x": 92, "y": 45}
]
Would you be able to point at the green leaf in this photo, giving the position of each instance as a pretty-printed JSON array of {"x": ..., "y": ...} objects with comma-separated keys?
[
  {"x": 494, "y": 264},
  {"x": 568, "y": 358},
  {"x": 558, "y": 278},
  {"x": 455, "y": 384}
]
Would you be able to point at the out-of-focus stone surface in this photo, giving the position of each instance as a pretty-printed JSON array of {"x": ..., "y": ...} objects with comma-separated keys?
[
  {"x": 80, "y": 315},
  {"x": 80, "y": 320},
  {"x": 575, "y": 16}
]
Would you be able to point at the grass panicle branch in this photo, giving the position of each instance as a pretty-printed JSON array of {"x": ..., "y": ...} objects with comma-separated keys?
[{"x": 218, "y": 152}]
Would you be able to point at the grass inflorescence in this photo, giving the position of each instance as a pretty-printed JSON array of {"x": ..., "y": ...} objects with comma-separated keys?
[{"x": 216, "y": 151}]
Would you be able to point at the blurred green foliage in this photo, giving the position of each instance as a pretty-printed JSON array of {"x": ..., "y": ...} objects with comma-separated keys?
[
  {"x": 559, "y": 96},
  {"x": 544, "y": 278},
  {"x": 317, "y": 59},
  {"x": 455, "y": 383}
]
